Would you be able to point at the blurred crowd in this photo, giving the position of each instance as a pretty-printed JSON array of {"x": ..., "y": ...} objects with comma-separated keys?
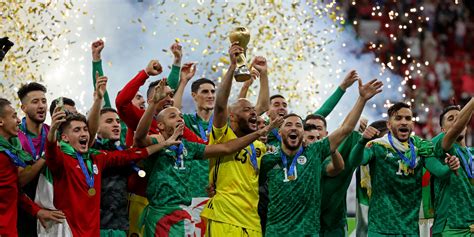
[{"x": 429, "y": 43}]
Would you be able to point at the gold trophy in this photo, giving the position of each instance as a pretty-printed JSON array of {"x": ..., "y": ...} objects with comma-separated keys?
[{"x": 242, "y": 35}]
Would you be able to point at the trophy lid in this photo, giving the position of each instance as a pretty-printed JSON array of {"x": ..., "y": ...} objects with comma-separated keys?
[{"x": 240, "y": 34}]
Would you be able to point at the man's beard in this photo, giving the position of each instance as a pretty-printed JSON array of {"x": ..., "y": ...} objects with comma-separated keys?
[
  {"x": 290, "y": 147},
  {"x": 244, "y": 126},
  {"x": 38, "y": 121}
]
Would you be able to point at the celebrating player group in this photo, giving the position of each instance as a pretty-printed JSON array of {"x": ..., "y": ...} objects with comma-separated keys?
[{"x": 141, "y": 167}]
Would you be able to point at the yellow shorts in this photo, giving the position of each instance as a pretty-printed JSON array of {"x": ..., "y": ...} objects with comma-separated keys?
[
  {"x": 135, "y": 209},
  {"x": 216, "y": 229}
]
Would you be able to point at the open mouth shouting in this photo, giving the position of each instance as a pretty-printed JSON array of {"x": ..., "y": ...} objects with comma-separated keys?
[
  {"x": 83, "y": 144},
  {"x": 281, "y": 113},
  {"x": 403, "y": 132},
  {"x": 293, "y": 138},
  {"x": 41, "y": 114},
  {"x": 253, "y": 123},
  {"x": 168, "y": 104},
  {"x": 116, "y": 131}
]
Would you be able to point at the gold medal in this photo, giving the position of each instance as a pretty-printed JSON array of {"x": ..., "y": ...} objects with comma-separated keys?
[
  {"x": 91, "y": 192},
  {"x": 471, "y": 227},
  {"x": 141, "y": 173},
  {"x": 291, "y": 177},
  {"x": 28, "y": 168}
]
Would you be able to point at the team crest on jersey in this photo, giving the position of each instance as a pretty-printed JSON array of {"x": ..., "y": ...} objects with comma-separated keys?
[
  {"x": 302, "y": 160},
  {"x": 95, "y": 169},
  {"x": 277, "y": 167}
]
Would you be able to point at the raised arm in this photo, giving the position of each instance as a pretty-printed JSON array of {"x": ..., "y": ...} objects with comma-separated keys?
[
  {"x": 174, "y": 76},
  {"x": 94, "y": 113},
  {"x": 96, "y": 49},
  {"x": 357, "y": 153},
  {"x": 187, "y": 72},
  {"x": 222, "y": 97},
  {"x": 125, "y": 108},
  {"x": 58, "y": 117},
  {"x": 53, "y": 160},
  {"x": 239, "y": 143},
  {"x": 141, "y": 139},
  {"x": 441, "y": 170},
  {"x": 336, "y": 96},
  {"x": 246, "y": 86},
  {"x": 459, "y": 125},
  {"x": 366, "y": 92},
  {"x": 263, "y": 101},
  {"x": 336, "y": 165}
]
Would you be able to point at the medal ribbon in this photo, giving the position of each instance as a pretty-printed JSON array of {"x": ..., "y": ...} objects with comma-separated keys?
[
  {"x": 253, "y": 157},
  {"x": 89, "y": 177},
  {"x": 17, "y": 161},
  {"x": 275, "y": 133},
  {"x": 35, "y": 155},
  {"x": 201, "y": 129},
  {"x": 291, "y": 170},
  {"x": 133, "y": 164},
  {"x": 411, "y": 162},
  {"x": 178, "y": 150},
  {"x": 468, "y": 167}
]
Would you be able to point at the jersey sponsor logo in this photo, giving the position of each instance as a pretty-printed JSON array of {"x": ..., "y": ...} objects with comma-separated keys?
[
  {"x": 271, "y": 149},
  {"x": 405, "y": 170},
  {"x": 302, "y": 160}
]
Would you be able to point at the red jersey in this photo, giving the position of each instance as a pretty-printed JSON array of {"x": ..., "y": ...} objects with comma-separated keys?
[
  {"x": 70, "y": 187},
  {"x": 9, "y": 194},
  {"x": 131, "y": 115}
]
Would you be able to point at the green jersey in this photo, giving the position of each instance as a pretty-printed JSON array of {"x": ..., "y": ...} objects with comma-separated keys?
[
  {"x": 334, "y": 189},
  {"x": 453, "y": 196},
  {"x": 294, "y": 205},
  {"x": 199, "y": 177},
  {"x": 396, "y": 186},
  {"x": 196, "y": 123},
  {"x": 168, "y": 183}
]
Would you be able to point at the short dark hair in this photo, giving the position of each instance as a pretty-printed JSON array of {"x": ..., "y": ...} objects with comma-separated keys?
[
  {"x": 151, "y": 87},
  {"x": 196, "y": 84},
  {"x": 108, "y": 110},
  {"x": 309, "y": 127},
  {"x": 3, "y": 103},
  {"x": 445, "y": 111},
  {"x": 316, "y": 116},
  {"x": 380, "y": 125},
  {"x": 292, "y": 115},
  {"x": 276, "y": 96},
  {"x": 72, "y": 117},
  {"x": 396, "y": 107},
  {"x": 66, "y": 101},
  {"x": 29, "y": 87}
]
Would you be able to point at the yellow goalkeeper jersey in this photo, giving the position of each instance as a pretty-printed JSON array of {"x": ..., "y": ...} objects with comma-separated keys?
[{"x": 236, "y": 183}]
